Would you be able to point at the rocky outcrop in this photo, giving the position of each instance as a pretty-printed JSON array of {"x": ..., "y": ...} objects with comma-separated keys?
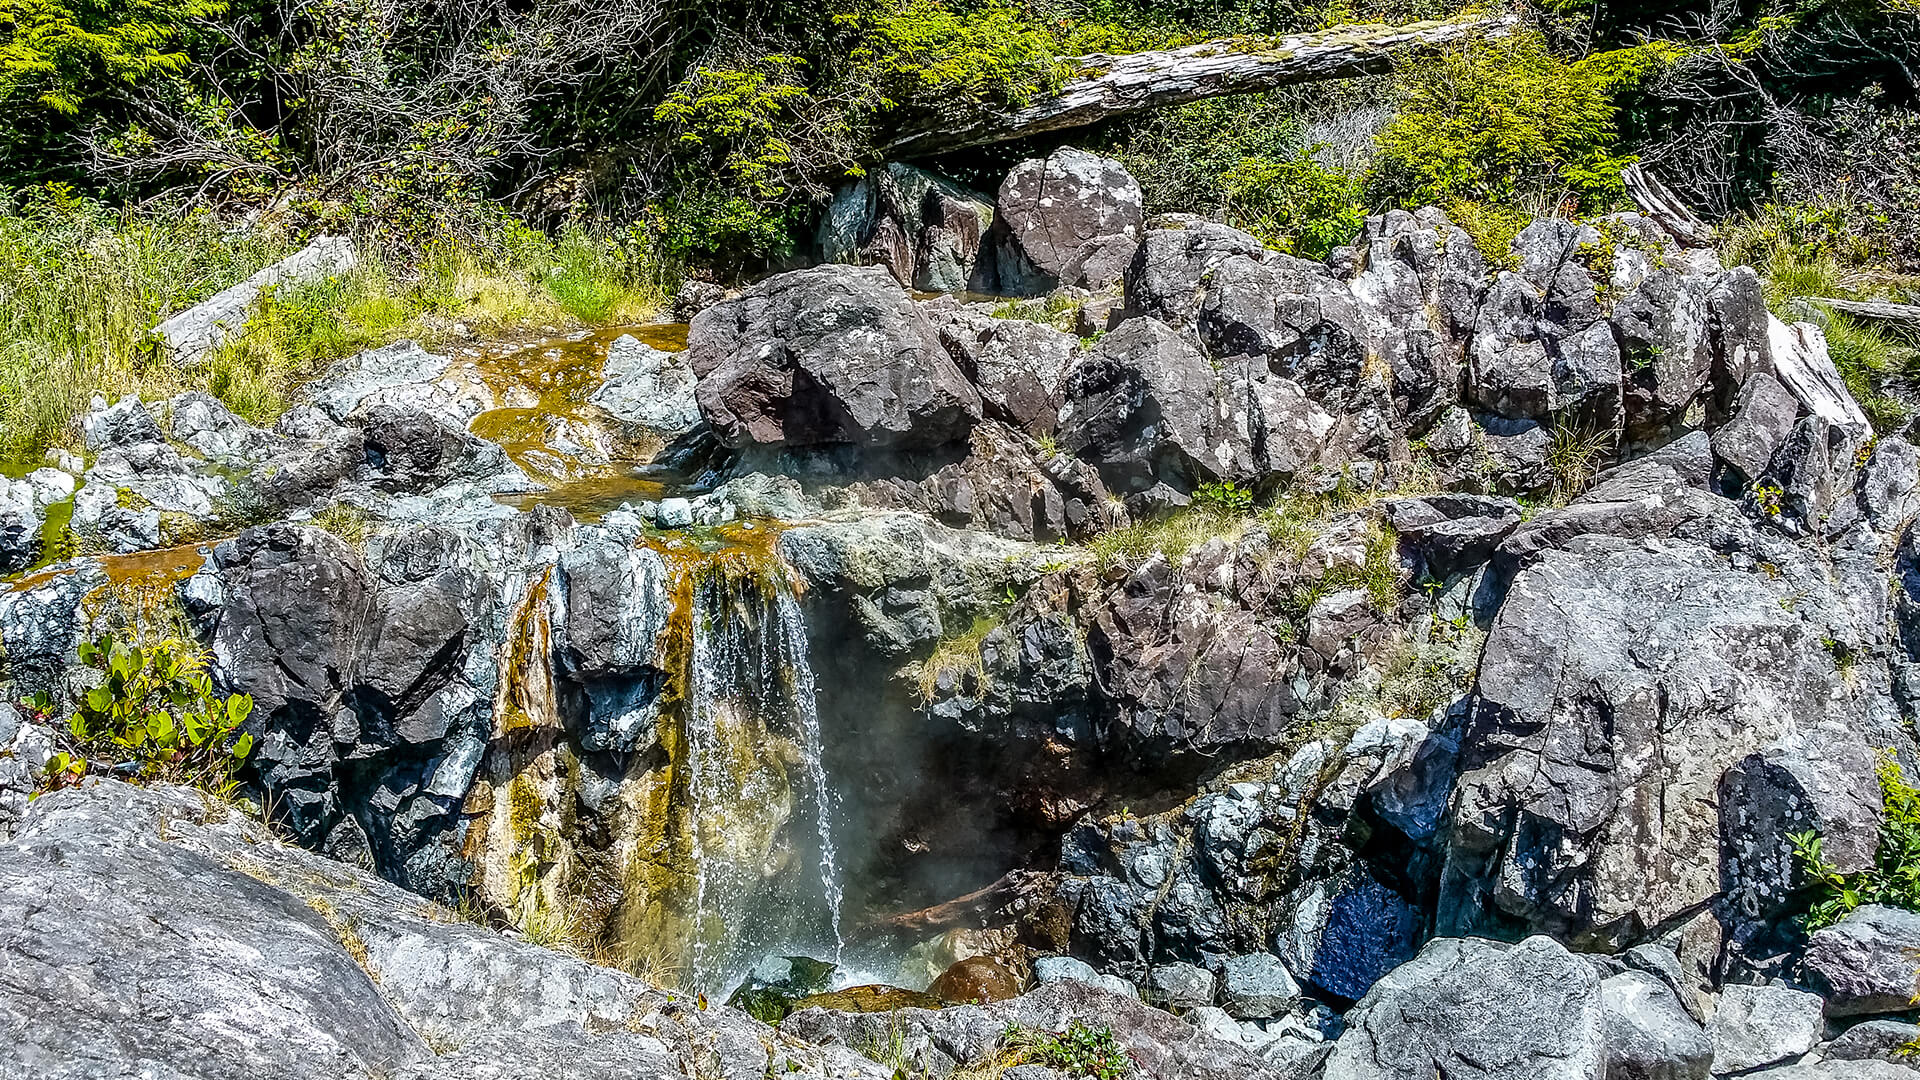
[
  {"x": 1050, "y": 208},
  {"x": 829, "y": 355},
  {"x": 277, "y": 962}
]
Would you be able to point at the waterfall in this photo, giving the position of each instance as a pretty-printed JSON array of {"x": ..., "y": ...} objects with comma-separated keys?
[{"x": 750, "y": 686}]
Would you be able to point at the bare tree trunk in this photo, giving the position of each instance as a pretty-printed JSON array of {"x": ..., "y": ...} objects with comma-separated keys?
[
  {"x": 1659, "y": 203},
  {"x": 1900, "y": 316},
  {"x": 1103, "y": 87}
]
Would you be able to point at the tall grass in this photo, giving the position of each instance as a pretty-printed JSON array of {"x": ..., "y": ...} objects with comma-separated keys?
[{"x": 82, "y": 284}]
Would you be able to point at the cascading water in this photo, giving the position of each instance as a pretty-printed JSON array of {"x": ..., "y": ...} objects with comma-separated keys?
[{"x": 709, "y": 845}]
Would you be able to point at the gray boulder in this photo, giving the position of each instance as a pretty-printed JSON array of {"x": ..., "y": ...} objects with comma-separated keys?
[
  {"x": 1166, "y": 279},
  {"x": 1451, "y": 533},
  {"x": 1478, "y": 1009},
  {"x": 1145, "y": 409},
  {"x": 1650, "y": 1036},
  {"x": 1619, "y": 682},
  {"x": 1868, "y": 962},
  {"x": 1016, "y": 364},
  {"x": 1764, "y": 412},
  {"x": 1050, "y": 207},
  {"x": 924, "y": 228},
  {"x": 1762, "y": 1025},
  {"x": 1257, "y": 987},
  {"x": 1179, "y": 986},
  {"x": 650, "y": 387},
  {"x": 835, "y": 354},
  {"x": 1874, "y": 1040}
]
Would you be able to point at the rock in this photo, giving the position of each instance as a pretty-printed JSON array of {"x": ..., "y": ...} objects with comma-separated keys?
[
  {"x": 1868, "y": 962},
  {"x": 1888, "y": 483},
  {"x": 192, "y": 335},
  {"x": 1050, "y": 969},
  {"x": 1049, "y": 207},
  {"x": 976, "y": 979},
  {"x": 1307, "y": 326},
  {"x": 1180, "y": 986},
  {"x": 1823, "y": 779},
  {"x": 402, "y": 375},
  {"x": 647, "y": 386},
  {"x": 1763, "y": 414},
  {"x": 1017, "y": 365},
  {"x": 1166, "y": 278},
  {"x": 1650, "y": 1036},
  {"x": 1664, "y": 325},
  {"x": 1560, "y": 821},
  {"x": 1257, "y": 987},
  {"x": 937, "y": 1042},
  {"x": 124, "y": 423},
  {"x": 1451, "y": 533},
  {"x": 1840, "y": 1070},
  {"x": 1348, "y": 932},
  {"x": 835, "y": 354},
  {"x": 1875, "y": 1040},
  {"x": 334, "y": 971},
  {"x": 1143, "y": 407},
  {"x": 1469, "y": 1008},
  {"x": 1102, "y": 261},
  {"x": 413, "y": 451},
  {"x": 924, "y": 228},
  {"x": 1762, "y": 1025},
  {"x": 675, "y": 513}
]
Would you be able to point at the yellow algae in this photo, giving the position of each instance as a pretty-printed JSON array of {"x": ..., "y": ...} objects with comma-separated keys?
[{"x": 526, "y": 673}]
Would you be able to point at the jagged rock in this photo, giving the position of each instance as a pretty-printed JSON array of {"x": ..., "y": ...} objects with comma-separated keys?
[
  {"x": 1762, "y": 1025},
  {"x": 1102, "y": 261},
  {"x": 924, "y": 228},
  {"x": 1664, "y": 324},
  {"x": 1049, "y": 207},
  {"x": 411, "y": 451},
  {"x": 1562, "y": 819},
  {"x": 1471, "y": 1008},
  {"x": 1145, "y": 409},
  {"x": 20, "y": 523},
  {"x": 124, "y": 423},
  {"x": 1051, "y": 969},
  {"x": 1166, "y": 279},
  {"x": 283, "y": 963},
  {"x": 402, "y": 375},
  {"x": 1888, "y": 483},
  {"x": 1808, "y": 484},
  {"x": 1348, "y": 932},
  {"x": 1016, "y": 364},
  {"x": 1650, "y": 1036},
  {"x": 1008, "y": 486},
  {"x": 835, "y": 354},
  {"x": 1307, "y": 326},
  {"x": 1840, "y": 1070},
  {"x": 1764, "y": 412},
  {"x": 1451, "y": 533},
  {"x": 650, "y": 387},
  {"x": 1868, "y": 962},
  {"x": 1257, "y": 987}
]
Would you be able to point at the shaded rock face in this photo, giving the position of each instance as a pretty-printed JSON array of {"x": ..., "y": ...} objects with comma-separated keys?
[
  {"x": 830, "y": 355},
  {"x": 282, "y": 963},
  {"x": 925, "y": 229}
]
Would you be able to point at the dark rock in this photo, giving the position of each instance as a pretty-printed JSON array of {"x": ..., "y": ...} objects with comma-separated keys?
[
  {"x": 1102, "y": 261},
  {"x": 1144, "y": 408},
  {"x": 1017, "y": 365},
  {"x": 1764, "y": 412},
  {"x": 1257, "y": 987},
  {"x": 1451, "y": 533},
  {"x": 924, "y": 228},
  {"x": 1166, "y": 279},
  {"x": 1179, "y": 986},
  {"x": 1050, "y": 207},
  {"x": 124, "y": 423},
  {"x": 977, "y": 979},
  {"x": 1348, "y": 933},
  {"x": 835, "y": 354},
  {"x": 1307, "y": 326},
  {"x": 1875, "y": 1040}
]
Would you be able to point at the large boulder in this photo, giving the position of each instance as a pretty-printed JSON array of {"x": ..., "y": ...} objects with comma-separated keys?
[
  {"x": 1017, "y": 364},
  {"x": 1168, "y": 274},
  {"x": 1478, "y": 1009},
  {"x": 1620, "y": 680},
  {"x": 1145, "y": 408},
  {"x": 1650, "y": 1035},
  {"x": 834, "y": 354},
  {"x": 1754, "y": 1026},
  {"x": 278, "y": 962},
  {"x": 924, "y": 228},
  {"x": 1049, "y": 208}
]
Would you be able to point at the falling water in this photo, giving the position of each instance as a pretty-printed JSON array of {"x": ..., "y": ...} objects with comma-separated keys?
[
  {"x": 792, "y": 631},
  {"x": 748, "y": 680}
]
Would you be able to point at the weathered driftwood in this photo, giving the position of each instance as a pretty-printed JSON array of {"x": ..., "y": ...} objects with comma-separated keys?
[
  {"x": 966, "y": 909},
  {"x": 1102, "y": 87},
  {"x": 1903, "y": 316},
  {"x": 195, "y": 333},
  {"x": 1665, "y": 208}
]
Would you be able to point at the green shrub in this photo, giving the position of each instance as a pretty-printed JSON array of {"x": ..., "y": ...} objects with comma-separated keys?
[
  {"x": 1227, "y": 498},
  {"x": 1893, "y": 879},
  {"x": 153, "y": 715},
  {"x": 1295, "y": 204},
  {"x": 1079, "y": 1051},
  {"x": 921, "y": 53},
  {"x": 1511, "y": 123}
]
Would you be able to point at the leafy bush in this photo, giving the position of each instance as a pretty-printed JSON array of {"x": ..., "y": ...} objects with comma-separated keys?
[
  {"x": 921, "y": 53},
  {"x": 1509, "y": 122},
  {"x": 153, "y": 716},
  {"x": 1295, "y": 205},
  {"x": 54, "y": 52},
  {"x": 1227, "y": 498},
  {"x": 1893, "y": 879},
  {"x": 1080, "y": 1051}
]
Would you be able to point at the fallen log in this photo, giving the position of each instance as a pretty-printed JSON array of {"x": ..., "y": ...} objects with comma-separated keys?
[
  {"x": 1656, "y": 201},
  {"x": 967, "y": 909},
  {"x": 1102, "y": 87},
  {"x": 1901, "y": 316}
]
